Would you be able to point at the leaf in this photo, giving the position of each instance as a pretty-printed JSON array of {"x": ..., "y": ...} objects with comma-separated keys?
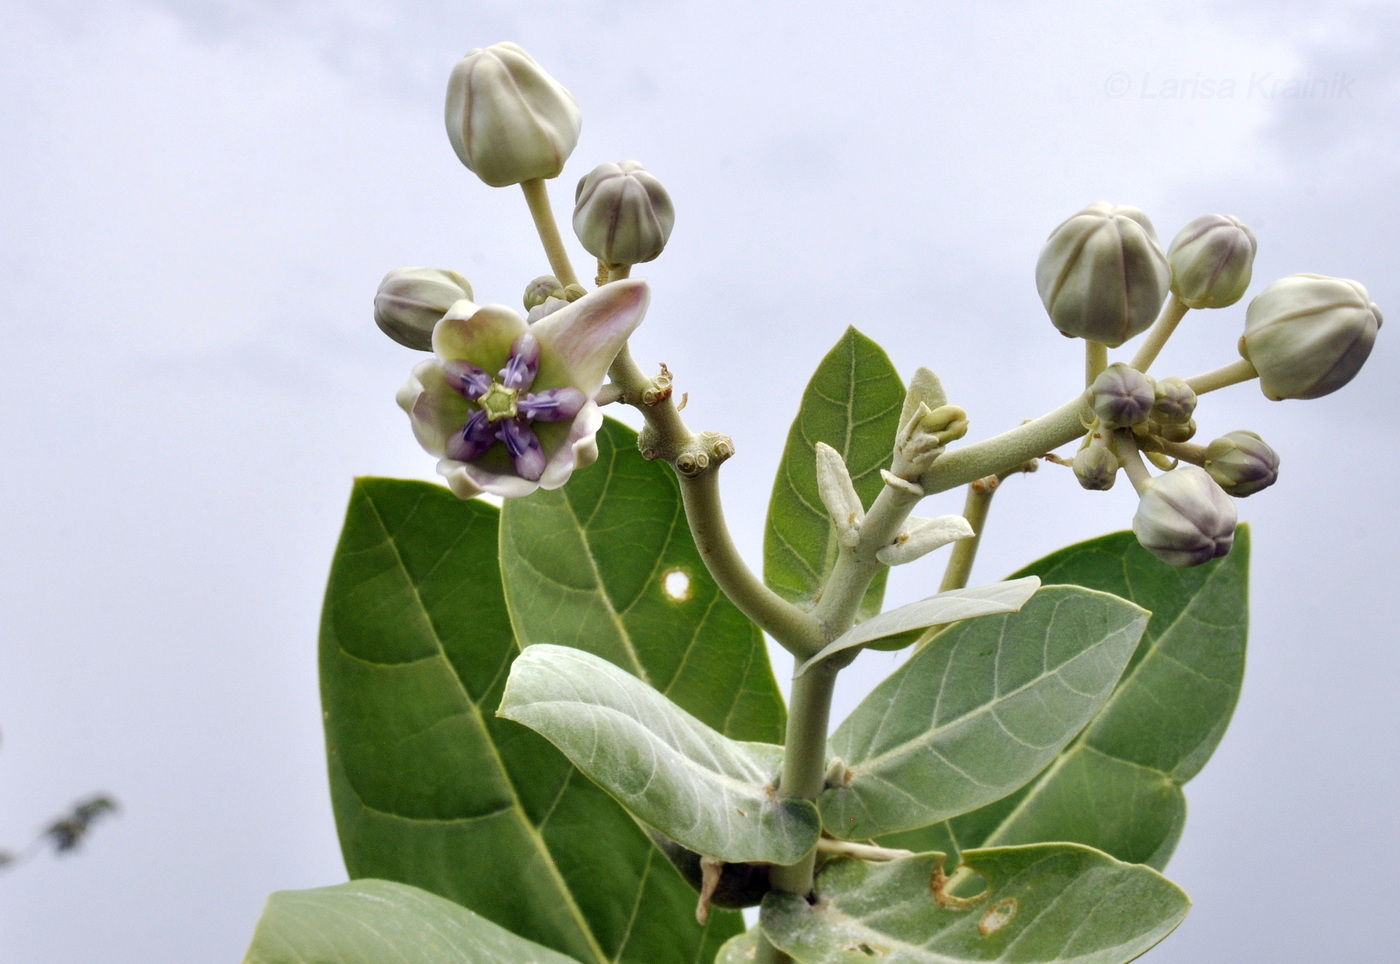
[
  {"x": 701, "y": 789},
  {"x": 1117, "y": 786},
  {"x": 431, "y": 789},
  {"x": 607, "y": 564},
  {"x": 901, "y": 627},
  {"x": 852, "y": 404},
  {"x": 1041, "y": 905},
  {"x": 379, "y": 922},
  {"x": 980, "y": 710}
]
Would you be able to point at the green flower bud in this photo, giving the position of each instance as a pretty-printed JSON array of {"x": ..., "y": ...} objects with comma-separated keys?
[
  {"x": 1122, "y": 396},
  {"x": 540, "y": 290},
  {"x": 1184, "y": 518},
  {"x": 1241, "y": 463},
  {"x": 1175, "y": 402},
  {"x": 622, "y": 214},
  {"x": 1176, "y": 431},
  {"x": 1102, "y": 275},
  {"x": 1212, "y": 259},
  {"x": 508, "y": 120},
  {"x": 1308, "y": 335},
  {"x": 410, "y": 301},
  {"x": 1096, "y": 468}
]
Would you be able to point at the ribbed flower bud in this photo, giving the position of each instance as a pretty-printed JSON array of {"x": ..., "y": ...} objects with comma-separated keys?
[
  {"x": 508, "y": 120},
  {"x": 1175, "y": 402},
  {"x": 1102, "y": 274},
  {"x": 1212, "y": 259},
  {"x": 1242, "y": 463},
  {"x": 410, "y": 301},
  {"x": 1308, "y": 335},
  {"x": 1122, "y": 396},
  {"x": 1176, "y": 431},
  {"x": 622, "y": 214},
  {"x": 540, "y": 290},
  {"x": 1096, "y": 468},
  {"x": 1184, "y": 518}
]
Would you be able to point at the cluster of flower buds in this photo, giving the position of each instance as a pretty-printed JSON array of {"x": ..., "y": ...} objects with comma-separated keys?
[{"x": 1103, "y": 277}]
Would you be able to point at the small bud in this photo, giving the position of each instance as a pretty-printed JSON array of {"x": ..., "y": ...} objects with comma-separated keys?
[
  {"x": 1122, "y": 396},
  {"x": 508, "y": 120},
  {"x": 1212, "y": 259},
  {"x": 540, "y": 290},
  {"x": 1308, "y": 335},
  {"x": 1102, "y": 274},
  {"x": 925, "y": 389},
  {"x": 838, "y": 494},
  {"x": 1241, "y": 463},
  {"x": 622, "y": 214},
  {"x": 1174, "y": 401},
  {"x": 1184, "y": 518},
  {"x": 922, "y": 536},
  {"x": 410, "y": 301},
  {"x": 921, "y": 439},
  {"x": 1176, "y": 431},
  {"x": 1096, "y": 468}
]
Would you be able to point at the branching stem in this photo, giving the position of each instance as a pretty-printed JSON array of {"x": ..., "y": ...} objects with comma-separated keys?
[
  {"x": 1172, "y": 312},
  {"x": 975, "y": 509}
]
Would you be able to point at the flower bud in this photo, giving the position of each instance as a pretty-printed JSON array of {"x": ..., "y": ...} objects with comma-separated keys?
[
  {"x": 1308, "y": 335},
  {"x": 410, "y": 301},
  {"x": 540, "y": 290},
  {"x": 1184, "y": 518},
  {"x": 1241, "y": 463},
  {"x": 1176, "y": 431},
  {"x": 622, "y": 214},
  {"x": 1096, "y": 468},
  {"x": 1122, "y": 396},
  {"x": 508, "y": 120},
  {"x": 1175, "y": 401},
  {"x": 1102, "y": 275},
  {"x": 1212, "y": 259}
]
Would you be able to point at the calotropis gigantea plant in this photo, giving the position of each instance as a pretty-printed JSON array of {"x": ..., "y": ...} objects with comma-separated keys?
[{"x": 552, "y": 730}]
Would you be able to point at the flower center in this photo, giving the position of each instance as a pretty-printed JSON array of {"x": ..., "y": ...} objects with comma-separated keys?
[{"x": 498, "y": 402}]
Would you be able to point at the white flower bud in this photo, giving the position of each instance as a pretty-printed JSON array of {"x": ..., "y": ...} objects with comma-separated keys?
[
  {"x": 1212, "y": 259},
  {"x": 1308, "y": 335},
  {"x": 508, "y": 120},
  {"x": 1102, "y": 274},
  {"x": 1242, "y": 463},
  {"x": 622, "y": 214},
  {"x": 1122, "y": 396},
  {"x": 410, "y": 301},
  {"x": 1184, "y": 518},
  {"x": 540, "y": 290},
  {"x": 1175, "y": 401},
  {"x": 1096, "y": 468}
]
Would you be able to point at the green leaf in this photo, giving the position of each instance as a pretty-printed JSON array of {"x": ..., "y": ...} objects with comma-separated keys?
[
  {"x": 430, "y": 788},
  {"x": 852, "y": 404},
  {"x": 980, "y": 710},
  {"x": 703, "y": 790},
  {"x": 1046, "y": 904},
  {"x": 607, "y": 564},
  {"x": 379, "y": 922},
  {"x": 1117, "y": 786},
  {"x": 901, "y": 627}
]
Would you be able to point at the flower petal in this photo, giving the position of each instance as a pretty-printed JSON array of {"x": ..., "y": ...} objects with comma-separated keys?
[
  {"x": 435, "y": 410},
  {"x": 467, "y": 479},
  {"x": 482, "y": 336},
  {"x": 578, "y": 449},
  {"x": 552, "y": 404},
  {"x": 581, "y": 340}
]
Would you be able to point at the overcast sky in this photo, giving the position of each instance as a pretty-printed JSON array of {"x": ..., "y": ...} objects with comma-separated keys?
[{"x": 197, "y": 200}]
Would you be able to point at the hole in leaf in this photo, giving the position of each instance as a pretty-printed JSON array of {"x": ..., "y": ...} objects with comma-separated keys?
[
  {"x": 676, "y": 585},
  {"x": 997, "y": 916}
]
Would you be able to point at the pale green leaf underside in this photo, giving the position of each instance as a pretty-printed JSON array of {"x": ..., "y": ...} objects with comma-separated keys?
[
  {"x": 1118, "y": 785},
  {"x": 698, "y": 787},
  {"x": 1046, "y": 904},
  {"x": 946, "y": 607},
  {"x": 852, "y": 404},
  {"x": 379, "y": 922},
  {"x": 979, "y": 711}
]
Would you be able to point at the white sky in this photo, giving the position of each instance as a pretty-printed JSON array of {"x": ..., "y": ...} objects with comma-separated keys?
[{"x": 198, "y": 199}]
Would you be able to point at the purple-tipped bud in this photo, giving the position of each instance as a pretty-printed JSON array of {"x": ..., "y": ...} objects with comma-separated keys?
[
  {"x": 1122, "y": 396},
  {"x": 1212, "y": 259},
  {"x": 1308, "y": 335},
  {"x": 1242, "y": 463},
  {"x": 1184, "y": 518},
  {"x": 1096, "y": 468},
  {"x": 1174, "y": 403},
  {"x": 622, "y": 214}
]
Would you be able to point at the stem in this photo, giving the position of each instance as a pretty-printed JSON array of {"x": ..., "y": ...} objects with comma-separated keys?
[
  {"x": 1095, "y": 361},
  {"x": 1183, "y": 451},
  {"x": 1131, "y": 459},
  {"x": 857, "y": 566},
  {"x": 537, "y": 197},
  {"x": 1172, "y": 312},
  {"x": 804, "y": 759},
  {"x": 1222, "y": 377},
  {"x": 1002, "y": 453},
  {"x": 979, "y": 501},
  {"x": 617, "y": 272}
]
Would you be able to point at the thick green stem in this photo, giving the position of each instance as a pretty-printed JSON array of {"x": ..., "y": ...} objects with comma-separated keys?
[
  {"x": 1172, "y": 312},
  {"x": 1131, "y": 459},
  {"x": 537, "y": 196},
  {"x": 856, "y": 566},
  {"x": 1222, "y": 377},
  {"x": 804, "y": 759},
  {"x": 1095, "y": 361},
  {"x": 1004, "y": 452},
  {"x": 975, "y": 508}
]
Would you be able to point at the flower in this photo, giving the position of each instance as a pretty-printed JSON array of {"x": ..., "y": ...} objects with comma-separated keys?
[{"x": 529, "y": 388}]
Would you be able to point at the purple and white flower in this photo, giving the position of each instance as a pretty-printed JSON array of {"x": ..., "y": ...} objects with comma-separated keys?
[{"x": 508, "y": 407}]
